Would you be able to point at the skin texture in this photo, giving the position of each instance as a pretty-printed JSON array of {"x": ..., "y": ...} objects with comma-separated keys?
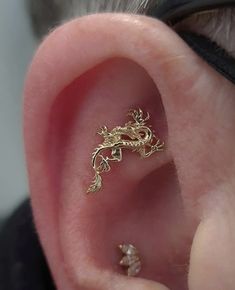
[{"x": 176, "y": 207}]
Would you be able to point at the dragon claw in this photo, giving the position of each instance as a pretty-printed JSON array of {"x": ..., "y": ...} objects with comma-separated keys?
[{"x": 103, "y": 131}]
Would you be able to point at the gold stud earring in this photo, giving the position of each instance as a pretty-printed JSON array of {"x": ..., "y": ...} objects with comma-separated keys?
[
  {"x": 130, "y": 260},
  {"x": 135, "y": 135}
]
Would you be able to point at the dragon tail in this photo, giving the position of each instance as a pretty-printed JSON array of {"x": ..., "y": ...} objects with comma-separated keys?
[{"x": 96, "y": 184}]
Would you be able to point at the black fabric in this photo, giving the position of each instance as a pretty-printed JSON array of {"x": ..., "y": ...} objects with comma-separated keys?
[
  {"x": 22, "y": 263},
  {"x": 172, "y": 11},
  {"x": 212, "y": 53}
]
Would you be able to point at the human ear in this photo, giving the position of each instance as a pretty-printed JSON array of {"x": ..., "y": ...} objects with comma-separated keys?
[{"x": 89, "y": 73}]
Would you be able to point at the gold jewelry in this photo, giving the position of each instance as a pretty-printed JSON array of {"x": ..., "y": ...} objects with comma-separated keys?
[
  {"x": 134, "y": 135},
  {"x": 130, "y": 259}
]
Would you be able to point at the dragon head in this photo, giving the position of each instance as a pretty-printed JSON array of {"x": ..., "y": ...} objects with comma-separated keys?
[{"x": 138, "y": 116}]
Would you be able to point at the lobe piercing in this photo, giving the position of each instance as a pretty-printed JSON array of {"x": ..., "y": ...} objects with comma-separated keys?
[
  {"x": 135, "y": 135},
  {"x": 130, "y": 259}
]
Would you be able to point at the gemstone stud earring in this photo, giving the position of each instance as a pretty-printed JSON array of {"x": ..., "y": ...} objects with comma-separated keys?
[{"x": 130, "y": 260}]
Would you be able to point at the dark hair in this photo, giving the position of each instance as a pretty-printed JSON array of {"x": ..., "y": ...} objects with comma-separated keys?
[{"x": 46, "y": 14}]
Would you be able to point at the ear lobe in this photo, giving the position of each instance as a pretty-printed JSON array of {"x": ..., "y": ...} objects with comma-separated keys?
[{"x": 79, "y": 81}]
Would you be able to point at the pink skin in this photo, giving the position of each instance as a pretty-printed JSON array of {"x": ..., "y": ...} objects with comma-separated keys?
[{"x": 178, "y": 206}]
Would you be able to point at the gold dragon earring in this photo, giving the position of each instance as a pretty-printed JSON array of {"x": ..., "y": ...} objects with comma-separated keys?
[
  {"x": 130, "y": 260},
  {"x": 135, "y": 135}
]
